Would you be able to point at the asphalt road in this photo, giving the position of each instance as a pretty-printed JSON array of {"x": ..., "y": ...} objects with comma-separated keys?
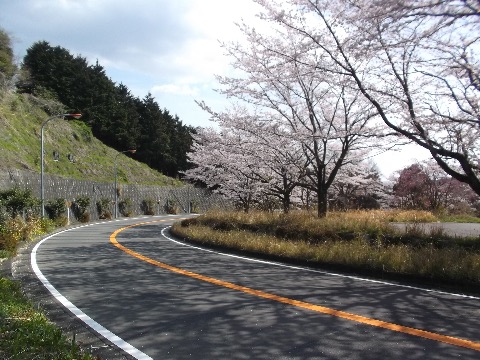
[
  {"x": 452, "y": 229},
  {"x": 156, "y": 298}
]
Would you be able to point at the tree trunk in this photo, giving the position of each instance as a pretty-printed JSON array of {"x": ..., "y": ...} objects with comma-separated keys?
[
  {"x": 247, "y": 203},
  {"x": 286, "y": 203},
  {"x": 322, "y": 203}
]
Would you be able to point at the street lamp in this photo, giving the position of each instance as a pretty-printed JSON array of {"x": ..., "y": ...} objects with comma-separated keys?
[
  {"x": 132, "y": 151},
  {"x": 42, "y": 192}
]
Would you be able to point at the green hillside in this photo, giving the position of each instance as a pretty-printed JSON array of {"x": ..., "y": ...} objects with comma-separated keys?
[{"x": 80, "y": 154}]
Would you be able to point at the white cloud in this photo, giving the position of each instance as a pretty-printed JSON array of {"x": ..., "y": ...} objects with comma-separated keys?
[
  {"x": 174, "y": 89},
  {"x": 168, "y": 41},
  {"x": 169, "y": 48},
  {"x": 391, "y": 161}
]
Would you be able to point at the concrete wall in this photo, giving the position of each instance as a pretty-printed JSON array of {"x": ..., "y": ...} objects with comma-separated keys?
[{"x": 55, "y": 187}]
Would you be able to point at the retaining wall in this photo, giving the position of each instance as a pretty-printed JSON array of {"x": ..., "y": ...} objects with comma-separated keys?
[{"x": 185, "y": 199}]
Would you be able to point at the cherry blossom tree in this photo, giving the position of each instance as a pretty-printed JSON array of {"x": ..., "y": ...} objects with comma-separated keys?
[
  {"x": 282, "y": 163},
  {"x": 415, "y": 61},
  {"x": 221, "y": 164},
  {"x": 412, "y": 188},
  {"x": 425, "y": 186},
  {"x": 328, "y": 120},
  {"x": 273, "y": 160},
  {"x": 358, "y": 186}
]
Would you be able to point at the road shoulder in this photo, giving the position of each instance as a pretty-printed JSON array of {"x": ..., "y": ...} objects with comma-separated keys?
[{"x": 19, "y": 269}]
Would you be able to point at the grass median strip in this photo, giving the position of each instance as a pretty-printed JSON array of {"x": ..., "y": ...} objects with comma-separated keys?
[{"x": 358, "y": 240}]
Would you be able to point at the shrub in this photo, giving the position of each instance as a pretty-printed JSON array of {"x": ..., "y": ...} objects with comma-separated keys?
[
  {"x": 103, "y": 208},
  {"x": 171, "y": 208},
  {"x": 16, "y": 229},
  {"x": 12, "y": 233},
  {"x": 194, "y": 207},
  {"x": 85, "y": 217},
  {"x": 35, "y": 226},
  {"x": 79, "y": 208},
  {"x": 55, "y": 208},
  {"x": 4, "y": 216},
  {"x": 148, "y": 206},
  {"x": 16, "y": 201},
  {"x": 125, "y": 207}
]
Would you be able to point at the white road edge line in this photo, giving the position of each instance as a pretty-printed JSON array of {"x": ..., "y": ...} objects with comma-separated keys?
[
  {"x": 139, "y": 355},
  {"x": 319, "y": 271},
  {"x": 122, "y": 344}
]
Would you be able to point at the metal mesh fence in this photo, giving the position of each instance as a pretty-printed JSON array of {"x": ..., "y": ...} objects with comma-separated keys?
[{"x": 183, "y": 199}]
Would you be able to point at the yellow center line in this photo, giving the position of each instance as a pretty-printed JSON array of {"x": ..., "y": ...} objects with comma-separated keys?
[{"x": 301, "y": 304}]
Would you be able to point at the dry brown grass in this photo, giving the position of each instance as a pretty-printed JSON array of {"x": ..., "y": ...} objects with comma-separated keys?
[{"x": 357, "y": 239}]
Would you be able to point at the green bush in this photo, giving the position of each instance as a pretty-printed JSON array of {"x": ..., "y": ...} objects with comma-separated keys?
[
  {"x": 148, "y": 206},
  {"x": 125, "y": 207},
  {"x": 17, "y": 201},
  {"x": 56, "y": 208},
  {"x": 103, "y": 208},
  {"x": 79, "y": 208},
  {"x": 170, "y": 207},
  {"x": 194, "y": 207}
]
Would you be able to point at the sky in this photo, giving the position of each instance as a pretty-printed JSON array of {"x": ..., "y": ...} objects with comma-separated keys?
[{"x": 169, "y": 48}]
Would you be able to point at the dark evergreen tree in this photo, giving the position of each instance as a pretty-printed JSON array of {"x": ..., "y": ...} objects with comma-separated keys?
[
  {"x": 116, "y": 117},
  {"x": 181, "y": 142},
  {"x": 99, "y": 101},
  {"x": 56, "y": 70},
  {"x": 154, "y": 141}
]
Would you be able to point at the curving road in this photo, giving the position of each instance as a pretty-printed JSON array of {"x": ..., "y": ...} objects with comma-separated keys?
[{"x": 157, "y": 298}]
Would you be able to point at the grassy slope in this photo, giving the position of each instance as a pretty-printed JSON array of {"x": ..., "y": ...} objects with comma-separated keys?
[
  {"x": 27, "y": 334},
  {"x": 25, "y": 331},
  {"x": 20, "y": 123}
]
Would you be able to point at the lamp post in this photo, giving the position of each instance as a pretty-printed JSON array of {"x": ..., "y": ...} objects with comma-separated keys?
[
  {"x": 132, "y": 151},
  {"x": 42, "y": 192}
]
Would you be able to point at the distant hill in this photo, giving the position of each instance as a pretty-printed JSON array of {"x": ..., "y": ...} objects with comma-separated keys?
[{"x": 70, "y": 149}]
